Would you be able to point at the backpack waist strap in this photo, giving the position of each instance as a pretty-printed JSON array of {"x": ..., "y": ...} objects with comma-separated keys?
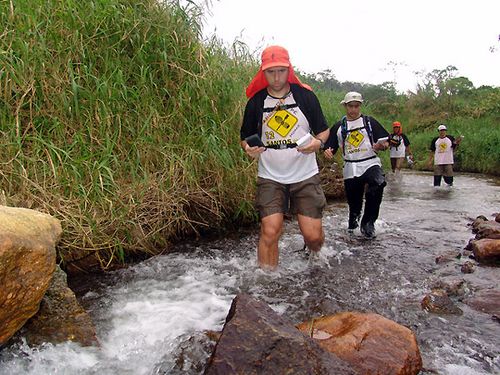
[
  {"x": 282, "y": 146},
  {"x": 359, "y": 160}
]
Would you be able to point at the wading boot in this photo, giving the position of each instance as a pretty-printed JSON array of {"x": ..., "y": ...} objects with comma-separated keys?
[
  {"x": 368, "y": 229},
  {"x": 353, "y": 223}
]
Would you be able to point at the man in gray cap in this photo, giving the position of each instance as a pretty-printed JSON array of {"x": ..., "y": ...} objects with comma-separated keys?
[
  {"x": 442, "y": 148},
  {"x": 360, "y": 138}
]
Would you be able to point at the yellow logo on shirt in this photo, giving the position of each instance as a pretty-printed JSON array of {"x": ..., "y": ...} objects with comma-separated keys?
[
  {"x": 282, "y": 122},
  {"x": 355, "y": 138},
  {"x": 442, "y": 147}
]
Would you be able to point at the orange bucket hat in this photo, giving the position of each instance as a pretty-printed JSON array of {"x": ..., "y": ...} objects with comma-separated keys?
[
  {"x": 271, "y": 57},
  {"x": 397, "y": 124}
]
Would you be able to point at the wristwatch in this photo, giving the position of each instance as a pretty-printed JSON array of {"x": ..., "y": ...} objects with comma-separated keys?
[{"x": 322, "y": 145}]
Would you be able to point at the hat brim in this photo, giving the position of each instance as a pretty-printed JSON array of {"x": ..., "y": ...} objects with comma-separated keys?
[
  {"x": 350, "y": 101},
  {"x": 274, "y": 64}
]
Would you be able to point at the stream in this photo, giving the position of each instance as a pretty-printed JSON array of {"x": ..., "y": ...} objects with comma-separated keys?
[{"x": 151, "y": 317}]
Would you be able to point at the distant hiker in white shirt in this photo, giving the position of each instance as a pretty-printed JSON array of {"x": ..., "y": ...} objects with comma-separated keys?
[{"x": 442, "y": 149}]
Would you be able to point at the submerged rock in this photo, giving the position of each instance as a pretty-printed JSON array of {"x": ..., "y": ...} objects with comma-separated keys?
[
  {"x": 487, "y": 301},
  {"x": 60, "y": 318},
  {"x": 438, "y": 302},
  {"x": 467, "y": 267},
  {"x": 453, "y": 286}
]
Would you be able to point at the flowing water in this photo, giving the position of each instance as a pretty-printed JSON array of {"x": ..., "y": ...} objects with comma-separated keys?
[{"x": 151, "y": 318}]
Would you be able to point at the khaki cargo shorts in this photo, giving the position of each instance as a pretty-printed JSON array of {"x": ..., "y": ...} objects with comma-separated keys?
[
  {"x": 443, "y": 170},
  {"x": 305, "y": 198}
]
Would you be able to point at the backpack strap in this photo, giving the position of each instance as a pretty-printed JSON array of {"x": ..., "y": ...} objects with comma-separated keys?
[
  {"x": 302, "y": 102},
  {"x": 368, "y": 127},
  {"x": 259, "y": 109},
  {"x": 343, "y": 132}
]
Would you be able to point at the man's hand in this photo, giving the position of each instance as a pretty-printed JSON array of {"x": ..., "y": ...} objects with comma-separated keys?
[
  {"x": 329, "y": 153},
  {"x": 254, "y": 152},
  {"x": 313, "y": 146},
  {"x": 380, "y": 146}
]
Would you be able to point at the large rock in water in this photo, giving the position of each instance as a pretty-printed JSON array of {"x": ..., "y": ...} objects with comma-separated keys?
[
  {"x": 486, "y": 250},
  {"x": 256, "y": 340},
  {"x": 27, "y": 262},
  {"x": 60, "y": 318},
  {"x": 486, "y": 229},
  {"x": 371, "y": 343}
]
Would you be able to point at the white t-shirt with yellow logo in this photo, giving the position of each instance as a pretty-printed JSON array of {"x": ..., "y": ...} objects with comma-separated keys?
[
  {"x": 285, "y": 124},
  {"x": 357, "y": 146},
  {"x": 443, "y": 150}
]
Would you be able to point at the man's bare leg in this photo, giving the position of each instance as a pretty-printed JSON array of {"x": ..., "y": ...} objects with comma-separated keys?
[
  {"x": 312, "y": 231},
  {"x": 270, "y": 232}
]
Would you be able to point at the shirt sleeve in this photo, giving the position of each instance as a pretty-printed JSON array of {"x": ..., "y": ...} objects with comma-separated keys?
[
  {"x": 433, "y": 144},
  {"x": 379, "y": 133},
  {"x": 250, "y": 120},
  {"x": 317, "y": 118},
  {"x": 452, "y": 139},
  {"x": 406, "y": 141},
  {"x": 333, "y": 140}
]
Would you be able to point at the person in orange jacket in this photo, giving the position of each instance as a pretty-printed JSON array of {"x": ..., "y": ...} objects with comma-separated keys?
[{"x": 399, "y": 147}]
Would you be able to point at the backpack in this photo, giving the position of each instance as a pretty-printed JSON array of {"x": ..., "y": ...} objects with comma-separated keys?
[{"x": 395, "y": 142}]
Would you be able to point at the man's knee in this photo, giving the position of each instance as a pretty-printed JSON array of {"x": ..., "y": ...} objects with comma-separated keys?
[
  {"x": 270, "y": 232},
  {"x": 375, "y": 190},
  {"x": 314, "y": 241},
  {"x": 376, "y": 180}
]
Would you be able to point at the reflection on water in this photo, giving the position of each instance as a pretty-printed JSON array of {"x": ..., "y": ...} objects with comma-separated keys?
[{"x": 152, "y": 314}]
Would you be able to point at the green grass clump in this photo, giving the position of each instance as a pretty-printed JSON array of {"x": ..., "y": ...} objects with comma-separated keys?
[{"x": 117, "y": 119}]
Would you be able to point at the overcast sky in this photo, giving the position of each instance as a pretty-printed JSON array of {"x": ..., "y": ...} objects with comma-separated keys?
[{"x": 370, "y": 41}]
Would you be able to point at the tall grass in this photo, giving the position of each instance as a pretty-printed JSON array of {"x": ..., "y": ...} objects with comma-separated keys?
[{"x": 116, "y": 118}]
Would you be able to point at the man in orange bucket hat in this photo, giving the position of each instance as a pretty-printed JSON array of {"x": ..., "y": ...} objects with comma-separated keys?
[
  {"x": 283, "y": 127},
  {"x": 399, "y": 147}
]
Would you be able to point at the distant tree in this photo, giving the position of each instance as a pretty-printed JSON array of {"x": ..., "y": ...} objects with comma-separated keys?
[
  {"x": 329, "y": 80},
  {"x": 435, "y": 82},
  {"x": 458, "y": 86},
  {"x": 353, "y": 86},
  {"x": 325, "y": 80}
]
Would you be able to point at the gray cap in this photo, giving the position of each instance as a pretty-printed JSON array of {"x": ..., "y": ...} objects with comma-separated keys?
[{"x": 352, "y": 96}]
